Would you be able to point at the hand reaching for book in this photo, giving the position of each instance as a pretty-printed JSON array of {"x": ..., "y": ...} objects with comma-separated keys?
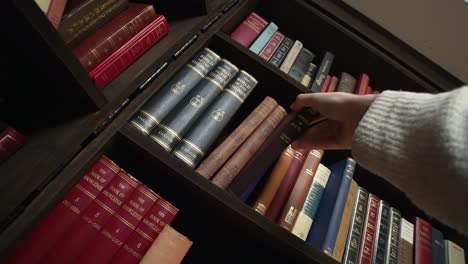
[{"x": 343, "y": 112}]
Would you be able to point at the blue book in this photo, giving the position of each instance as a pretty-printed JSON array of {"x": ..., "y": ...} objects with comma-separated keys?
[
  {"x": 325, "y": 66},
  {"x": 263, "y": 39},
  {"x": 337, "y": 213},
  {"x": 318, "y": 231},
  {"x": 438, "y": 247},
  {"x": 382, "y": 233}
]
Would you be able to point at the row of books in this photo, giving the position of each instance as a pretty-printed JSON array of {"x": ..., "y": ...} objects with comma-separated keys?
[
  {"x": 107, "y": 217},
  {"x": 106, "y": 36},
  {"x": 11, "y": 140}
]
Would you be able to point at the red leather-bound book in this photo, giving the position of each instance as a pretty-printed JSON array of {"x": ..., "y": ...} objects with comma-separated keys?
[
  {"x": 362, "y": 84},
  {"x": 286, "y": 186},
  {"x": 248, "y": 31},
  {"x": 58, "y": 221},
  {"x": 333, "y": 83},
  {"x": 272, "y": 46},
  {"x": 55, "y": 12},
  {"x": 107, "y": 70},
  {"x": 326, "y": 84},
  {"x": 368, "y": 237},
  {"x": 88, "y": 226},
  {"x": 369, "y": 90},
  {"x": 119, "y": 227},
  {"x": 146, "y": 232},
  {"x": 10, "y": 141},
  {"x": 107, "y": 39},
  {"x": 422, "y": 241}
]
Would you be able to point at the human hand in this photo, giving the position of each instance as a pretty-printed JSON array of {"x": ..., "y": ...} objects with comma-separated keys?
[{"x": 343, "y": 111}]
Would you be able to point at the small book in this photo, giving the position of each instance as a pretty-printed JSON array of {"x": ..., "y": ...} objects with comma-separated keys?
[
  {"x": 381, "y": 233},
  {"x": 326, "y": 84},
  {"x": 422, "y": 241},
  {"x": 291, "y": 57},
  {"x": 301, "y": 64},
  {"x": 438, "y": 246},
  {"x": 322, "y": 72},
  {"x": 170, "y": 247},
  {"x": 309, "y": 75},
  {"x": 393, "y": 244},
  {"x": 347, "y": 83},
  {"x": 280, "y": 53},
  {"x": 249, "y": 29},
  {"x": 333, "y": 84},
  {"x": 264, "y": 37},
  {"x": 362, "y": 84},
  {"x": 11, "y": 140},
  {"x": 406, "y": 242},
  {"x": 454, "y": 254},
  {"x": 272, "y": 45},
  {"x": 368, "y": 236}
]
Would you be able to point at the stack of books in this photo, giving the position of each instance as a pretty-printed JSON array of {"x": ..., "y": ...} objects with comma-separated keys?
[
  {"x": 106, "y": 36},
  {"x": 11, "y": 141},
  {"x": 107, "y": 217}
]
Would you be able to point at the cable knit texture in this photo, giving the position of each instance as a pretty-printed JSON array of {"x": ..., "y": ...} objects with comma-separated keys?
[{"x": 419, "y": 143}]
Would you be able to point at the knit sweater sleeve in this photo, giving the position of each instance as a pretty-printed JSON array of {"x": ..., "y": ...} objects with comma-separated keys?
[{"x": 419, "y": 143}]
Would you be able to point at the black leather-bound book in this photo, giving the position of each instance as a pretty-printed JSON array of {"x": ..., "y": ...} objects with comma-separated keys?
[
  {"x": 322, "y": 72},
  {"x": 280, "y": 54},
  {"x": 202, "y": 135},
  {"x": 173, "y": 127},
  {"x": 301, "y": 64},
  {"x": 159, "y": 106}
]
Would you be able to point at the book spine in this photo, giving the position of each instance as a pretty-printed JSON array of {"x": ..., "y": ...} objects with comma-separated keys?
[
  {"x": 291, "y": 57},
  {"x": 322, "y": 72},
  {"x": 454, "y": 253},
  {"x": 201, "y": 136},
  {"x": 354, "y": 240},
  {"x": 290, "y": 127},
  {"x": 274, "y": 180},
  {"x": 173, "y": 127},
  {"x": 343, "y": 231},
  {"x": 111, "y": 36},
  {"x": 43, "y": 5},
  {"x": 362, "y": 84},
  {"x": 406, "y": 242},
  {"x": 133, "y": 250},
  {"x": 382, "y": 233},
  {"x": 119, "y": 227},
  {"x": 369, "y": 90},
  {"x": 438, "y": 247},
  {"x": 301, "y": 64},
  {"x": 368, "y": 236},
  {"x": 301, "y": 187},
  {"x": 280, "y": 54},
  {"x": 326, "y": 84},
  {"x": 307, "y": 79},
  {"x": 306, "y": 216},
  {"x": 263, "y": 39},
  {"x": 272, "y": 45},
  {"x": 333, "y": 84},
  {"x": 393, "y": 244},
  {"x": 159, "y": 105},
  {"x": 64, "y": 214},
  {"x": 422, "y": 241},
  {"x": 88, "y": 17},
  {"x": 249, "y": 30},
  {"x": 223, "y": 152},
  {"x": 234, "y": 165},
  {"x": 10, "y": 141},
  {"x": 55, "y": 12},
  {"x": 346, "y": 84},
  {"x": 81, "y": 232},
  {"x": 337, "y": 213},
  {"x": 113, "y": 65}
]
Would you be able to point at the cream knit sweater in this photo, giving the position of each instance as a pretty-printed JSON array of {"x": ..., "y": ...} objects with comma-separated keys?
[{"x": 419, "y": 143}]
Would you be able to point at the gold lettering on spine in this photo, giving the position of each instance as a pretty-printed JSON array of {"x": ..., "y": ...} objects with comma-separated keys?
[
  {"x": 182, "y": 156},
  {"x": 85, "y": 191},
  {"x": 193, "y": 146},
  {"x": 196, "y": 70},
  {"x": 170, "y": 131}
]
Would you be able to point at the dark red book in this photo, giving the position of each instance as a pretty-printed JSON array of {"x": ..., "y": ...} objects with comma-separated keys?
[
  {"x": 10, "y": 141},
  {"x": 422, "y": 241},
  {"x": 370, "y": 224},
  {"x": 249, "y": 29},
  {"x": 271, "y": 46},
  {"x": 369, "y": 90},
  {"x": 362, "y": 84},
  {"x": 55, "y": 12},
  {"x": 67, "y": 212},
  {"x": 107, "y": 70},
  {"x": 326, "y": 84},
  {"x": 146, "y": 232},
  {"x": 88, "y": 226},
  {"x": 333, "y": 84},
  {"x": 119, "y": 227},
  {"x": 107, "y": 39}
]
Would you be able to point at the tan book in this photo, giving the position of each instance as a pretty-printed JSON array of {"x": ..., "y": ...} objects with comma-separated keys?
[
  {"x": 170, "y": 247},
  {"x": 291, "y": 57},
  {"x": 343, "y": 230},
  {"x": 454, "y": 254},
  {"x": 406, "y": 242}
]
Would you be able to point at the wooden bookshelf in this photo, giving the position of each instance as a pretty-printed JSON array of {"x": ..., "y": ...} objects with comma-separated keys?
[{"x": 62, "y": 146}]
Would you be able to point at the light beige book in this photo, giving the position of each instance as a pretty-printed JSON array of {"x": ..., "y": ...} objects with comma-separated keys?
[
  {"x": 454, "y": 254},
  {"x": 43, "y": 5},
  {"x": 291, "y": 57}
]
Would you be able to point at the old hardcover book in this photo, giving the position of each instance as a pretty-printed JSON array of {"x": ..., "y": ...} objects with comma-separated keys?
[
  {"x": 343, "y": 230},
  {"x": 264, "y": 37},
  {"x": 112, "y": 35},
  {"x": 438, "y": 246},
  {"x": 249, "y": 29},
  {"x": 272, "y": 45},
  {"x": 301, "y": 187},
  {"x": 55, "y": 12},
  {"x": 263, "y": 201},
  {"x": 306, "y": 216},
  {"x": 118, "y": 61},
  {"x": 239, "y": 159},
  {"x": 333, "y": 84},
  {"x": 309, "y": 75},
  {"x": 173, "y": 127},
  {"x": 322, "y": 72},
  {"x": 199, "y": 139},
  {"x": 369, "y": 90},
  {"x": 87, "y": 17},
  {"x": 326, "y": 84},
  {"x": 368, "y": 235},
  {"x": 382, "y": 233},
  {"x": 58, "y": 221},
  {"x": 422, "y": 241},
  {"x": 160, "y": 104},
  {"x": 280, "y": 54},
  {"x": 11, "y": 140},
  {"x": 170, "y": 247},
  {"x": 454, "y": 254},
  {"x": 301, "y": 64},
  {"x": 406, "y": 242},
  {"x": 346, "y": 84},
  {"x": 393, "y": 245},
  {"x": 223, "y": 152},
  {"x": 291, "y": 57},
  {"x": 81, "y": 232},
  {"x": 353, "y": 243},
  {"x": 362, "y": 84}
]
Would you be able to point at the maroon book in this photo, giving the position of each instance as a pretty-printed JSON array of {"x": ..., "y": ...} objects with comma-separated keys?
[
  {"x": 272, "y": 46},
  {"x": 248, "y": 31},
  {"x": 362, "y": 84},
  {"x": 368, "y": 236},
  {"x": 422, "y": 241},
  {"x": 369, "y": 90},
  {"x": 112, "y": 35},
  {"x": 10, "y": 141},
  {"x": 55, "y": 12},
  {"x": 326, "y": 84},
  {"x": 333, "y": 83}
]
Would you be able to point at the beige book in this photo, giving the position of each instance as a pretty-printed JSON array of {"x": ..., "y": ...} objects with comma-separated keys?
[
  {"x": 43, "y": 5},
  {"x": 291, "y": 57},
  {"x": 406, "y": 242},
  {"x": 454, "y": 254}
]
